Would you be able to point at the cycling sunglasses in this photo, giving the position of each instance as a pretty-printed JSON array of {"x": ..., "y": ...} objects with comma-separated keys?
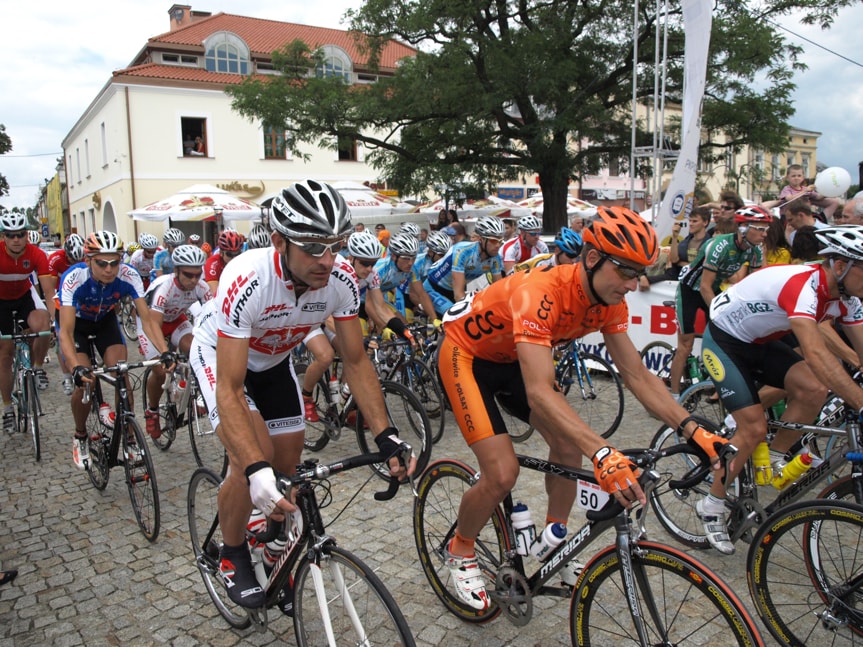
[
  {"x": 104, "y": 264},
  {"x": 318, "y": 249},
  {"x": 191, "y": 275},
  {"x": 20, "y": 234},
  {"x": 365, "y": 263},
  {"x": 625, "y": 271}
]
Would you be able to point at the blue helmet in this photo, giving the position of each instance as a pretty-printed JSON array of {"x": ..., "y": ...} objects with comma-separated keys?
[{"x": 569, "y": 242}]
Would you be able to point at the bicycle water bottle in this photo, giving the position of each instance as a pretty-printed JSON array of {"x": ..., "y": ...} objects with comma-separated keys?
[
  {"x": 106, "y": 415},
  {"x": 522, "y": 528},
  {"x": 334, "y": 386},
  {"x": 257, "y": 523},
  {"x": 693, "y": 370},
  {"x": 761, "y": 463},
  {"x": 346, "y": 391},
  {"x": 273, "y": 550},
  {"x": 795, "y": 468},
  {"x": 551, "y": 538}
]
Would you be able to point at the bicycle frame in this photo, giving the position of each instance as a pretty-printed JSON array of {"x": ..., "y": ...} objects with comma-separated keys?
[{"x": 124, "y": 410}]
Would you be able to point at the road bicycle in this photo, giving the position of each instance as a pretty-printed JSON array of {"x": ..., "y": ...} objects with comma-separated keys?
[
  {"x": 634, "y": 591},
  {"x": 25, "y": 391},
  {"x": 338, "y": 599},
  {"x": 337, "y": 409},
  {"x": 590, "y": 384},
  {"x": 805, "y": 573},
  {"x": 105, "y": 441},
  {"x": 675, "y": 506},
  {"x": 128, "y": 318},
  {"x": 181, "y": 404}
]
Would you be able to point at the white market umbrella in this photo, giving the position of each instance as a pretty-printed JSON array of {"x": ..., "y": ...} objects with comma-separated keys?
[
  {"x": 573, "y": 206},
  {"x": 198, "y": 202},
  {"x": 471, "y": 209},
  {"x": 363, "y": 202}
]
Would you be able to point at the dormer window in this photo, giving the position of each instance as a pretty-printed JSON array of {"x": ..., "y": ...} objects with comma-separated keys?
[
  {"x": 227, "y": 53},
  {"x": 336, "y": 62}
]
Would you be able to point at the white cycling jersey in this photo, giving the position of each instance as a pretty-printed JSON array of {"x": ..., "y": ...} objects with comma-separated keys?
[
  {"x": 167, "y": 297},
  {"x": 256, "y": 301},
  {"x": 516, "y": 251},
  {"x": 760, "y": 307}
]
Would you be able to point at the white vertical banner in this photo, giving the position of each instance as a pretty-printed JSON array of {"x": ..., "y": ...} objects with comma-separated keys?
[{"x": 679, "y": 198}]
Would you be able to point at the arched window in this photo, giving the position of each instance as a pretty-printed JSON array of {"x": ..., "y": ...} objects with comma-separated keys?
[
  {"x": 227, "y": 53},
  {"x": 336, "y": 62}
]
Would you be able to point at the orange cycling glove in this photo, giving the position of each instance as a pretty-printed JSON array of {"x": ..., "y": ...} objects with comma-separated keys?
[
  {"x": 613, "y": 470},
  {"x": 706, "y": 441}
]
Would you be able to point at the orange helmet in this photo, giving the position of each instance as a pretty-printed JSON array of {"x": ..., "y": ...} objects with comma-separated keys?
[{"x": 622, "y": 233}]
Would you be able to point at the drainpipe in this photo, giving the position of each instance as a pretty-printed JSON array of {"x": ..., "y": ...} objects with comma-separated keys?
[{"x": 131, "y": 159}]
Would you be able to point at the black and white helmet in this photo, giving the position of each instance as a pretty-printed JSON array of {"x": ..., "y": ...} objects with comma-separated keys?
[
  {"x": 259, "y": 237},
  {"x": 310, "y": 209},
  {"x": 410, "y": 228},
  {"x": 173, "y": 237},
  {"x": 843, "y": 240},
  {"x": 364, "y": 244},
  {"x": 439, "y": 242},
  {"x": 403, "y": 244},
  {"x": 529, "y": 223},
  {"x": 148, "y": 241},
  {"x": 34, "y": 237},
  {"x": 489, "y": 227},
  {"x": 74, "y": 248},
  {"x": 13, "y": 221},
  {"x": 188, "y": 256}
]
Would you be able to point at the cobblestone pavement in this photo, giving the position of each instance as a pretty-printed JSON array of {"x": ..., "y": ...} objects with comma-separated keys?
[{"x": 88, "y": 577}]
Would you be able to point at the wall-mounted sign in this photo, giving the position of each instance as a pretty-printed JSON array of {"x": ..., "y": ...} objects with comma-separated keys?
[{"x": 244, "y": 189}]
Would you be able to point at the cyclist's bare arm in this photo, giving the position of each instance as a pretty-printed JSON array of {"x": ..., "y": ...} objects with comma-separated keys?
[
  {"x": 837, "y": 346},
  {"x": 153, "y": 330},
  {"x": 67, "y": 335},
  {"x": 824, "y": 364},
  {"x": 459, "y": 285},
  {"x": 377, "y": 309},
  {"x": 419, "y": 295},
  {"x": 49, "y": 289},
  {"x": 706, "y": 289}
]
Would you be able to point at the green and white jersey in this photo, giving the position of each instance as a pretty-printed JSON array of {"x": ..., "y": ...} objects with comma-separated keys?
[{"x": 720, "y": 255}]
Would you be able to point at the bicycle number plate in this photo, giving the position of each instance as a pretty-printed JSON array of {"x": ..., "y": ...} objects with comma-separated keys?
[{"x": 591, "y": 496}]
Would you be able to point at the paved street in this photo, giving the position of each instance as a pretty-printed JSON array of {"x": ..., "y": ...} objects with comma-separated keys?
[{"x": 88, "y": 577}]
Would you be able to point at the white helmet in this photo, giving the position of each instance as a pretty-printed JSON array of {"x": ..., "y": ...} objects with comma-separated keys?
[
  {"x": 489, "y": 227},
  {"x": 529, "y": 223},
  {"x": 439, "y": 242},
  {"x": 410, "y": 228},
  {"x": 148, "y": 241},
  {"x": 403, "y": 244},
  {"x": 34, "y": 236},
  {"x": 310, "y": 209},
  {"x": 74, "y": 247},
  {"x": 364, "y": 244},
  {"x": 13, "y": 221},
  {"x": 188, "y": 256},
  {"x": 173, "y": 237},
  {"x": 843, "y": 240},
  {"x": 259, "y": 237}
]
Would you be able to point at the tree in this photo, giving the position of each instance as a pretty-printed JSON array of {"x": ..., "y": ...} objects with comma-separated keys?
[
  {"x": 511, "y": 88},
  {"x": 5, "y": 147}
]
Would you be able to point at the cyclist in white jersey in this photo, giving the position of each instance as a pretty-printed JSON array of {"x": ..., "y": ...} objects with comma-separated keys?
[
  {"x": 169, "y": 297},
  {"x": 567, "y": 249},
  {"x": 742, "y": 344},
  {"x": 524, "y": 246},
  {"x": 268, "y": 301},
  {"x": 144, "y": 259}
]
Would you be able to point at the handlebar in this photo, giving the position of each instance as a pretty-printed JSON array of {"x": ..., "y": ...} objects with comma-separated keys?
[{"x": 26, "y": 335}]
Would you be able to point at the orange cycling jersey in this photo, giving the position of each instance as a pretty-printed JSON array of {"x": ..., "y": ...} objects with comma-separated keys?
[{"x": 545, "y": 306}]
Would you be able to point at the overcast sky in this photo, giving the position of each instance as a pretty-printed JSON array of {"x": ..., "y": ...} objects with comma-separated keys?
[{"x": 58, "y": 55}]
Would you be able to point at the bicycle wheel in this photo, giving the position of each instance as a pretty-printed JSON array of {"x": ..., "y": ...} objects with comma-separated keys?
[
  {"x": 405, "y": 413},
  {"x": 128, "y": 321},
  {"x": 316, "y": 436},
  {"x": 343, "y": 595},
  {"x": 519, "y": 430},
  {"x": 20, "y": 399},
  {"x": 99, "y": 444},
  {"x": 675, "y": 507},
  {"x": 682, "y": 602},
  {"x": 439, "y": 493},
  {"x": 206, "y": 446},
  {"x": 804, "y": 572},
  {"x": 202, "y": 508},
  {"x": 141, "y": 480},
  {"x": 700, "y": 400},
  {"x": 31, "y": 411},
  {"x": 422, "y": 382},
  {"x": 657, "y": 356},
  {"x": 167, "y": 415},
  {"x": 593, "y": 388}
]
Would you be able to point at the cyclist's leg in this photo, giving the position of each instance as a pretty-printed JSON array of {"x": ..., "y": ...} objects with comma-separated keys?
[
  {"x": 7, "y": 348},
  {"x": 806, "y": 396},
  {"x": 39, "y": 321},
  {"x": 318, "y": 344},
  {"x": 155, "y": 382},
  {"x": 65, "y": 369},
  {"x": 689, "y": 303}
]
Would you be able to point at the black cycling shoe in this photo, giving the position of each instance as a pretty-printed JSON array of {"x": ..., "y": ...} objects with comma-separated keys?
[
  {"x": 235, "y": 566},
  {"x": 286, "y": 598}
]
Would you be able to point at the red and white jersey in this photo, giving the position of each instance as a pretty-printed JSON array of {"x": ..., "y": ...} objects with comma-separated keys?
[
  {"x": 515, "y": 251},
  {"x": 143, "y": 263},
  {"x": 760, "y": 307},
  {"x": 58, "y": 263},
  {"x": 213, "y": 267},
  {"x": 167, "y": 297},
  {"x": 256, "y": 301},
  {"x": 15, "y": 272}
]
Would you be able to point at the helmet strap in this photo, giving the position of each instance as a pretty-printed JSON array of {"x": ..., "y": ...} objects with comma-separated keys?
[
  {"x": 743, "y": 244},
  {"x": 840, "y": 278},
  {"x": 590, "y": 272},
  {"x": 299, "y": 286}
]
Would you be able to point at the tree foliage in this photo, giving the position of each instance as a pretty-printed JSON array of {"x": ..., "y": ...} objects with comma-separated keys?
[
  {"x": 505, "y": 89},
  {"x": 5, "y": 147}
]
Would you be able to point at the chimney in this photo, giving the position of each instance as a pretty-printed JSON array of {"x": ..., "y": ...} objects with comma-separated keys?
[{"x": 180, "y": 16}]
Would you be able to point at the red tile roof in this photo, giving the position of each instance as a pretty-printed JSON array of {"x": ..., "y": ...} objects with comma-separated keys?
[
  {"x": 179, "y": 73},
  {"x": 265, "y": 36}
]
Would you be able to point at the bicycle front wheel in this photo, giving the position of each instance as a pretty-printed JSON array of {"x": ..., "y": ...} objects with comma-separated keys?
[
  {"x": 682, "y": 602},
  {"x": 141, "y": 480},
  {"x": 202, "y": 508},
  {"x": 593, "y": 388},
  {"x": 316, "y": 436},
  {"x": 206, "y": 446},
  {"x": 405, "y": 413},
  {"x": 657, "y": 356},
  {"x": 701, "y": 401},
  {"x": 99, "y": 444},
  {"x": 128, "y": 320},
  {"x": 167, "y": 414},
  {"x": 339, "y": 593},
  {"x": 422, "y": 382},
  {"x": 805, "y": 571},
  {"x": 31, "y": 410},
  {"x": 439, "y": 493}
]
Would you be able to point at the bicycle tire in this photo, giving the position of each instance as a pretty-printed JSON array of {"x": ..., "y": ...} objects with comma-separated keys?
[
  {"x": 98, "y": 442},
  {"x": 141, "y": 482},
  {"x": 657, "y": 356},
  {"x": 21, "y": 402},
  {"x": 316, "y": 436},
  {"x": 167, "y": 415},
  {"x": 439, "y": 493},
  {"x": 594, "y": 397},
  {"x": 422, "y": 382},
  {"x": 405, "y": 413},
  {"x": 790, "y": 590},
  {"x": 675, "y": 508},
  {"x": 128, "y": 321},
  {"x": 361, "y": 610},
  {"x": 683, "y": 602},
  {"x": 698, "y": 401},
  {"x": 206, "y": 446},
  {"x": 202, "y": 510},
  {"x": 518, "y": 430},
  {"x": 31, "y": 406}
]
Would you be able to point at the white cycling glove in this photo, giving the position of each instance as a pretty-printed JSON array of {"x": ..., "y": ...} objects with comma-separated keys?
[{"x": 262, "y": 487}]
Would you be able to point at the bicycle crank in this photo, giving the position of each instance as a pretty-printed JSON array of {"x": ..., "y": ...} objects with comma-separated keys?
[
  {"x": 258, "y": 618},
  {"x": 746, "y": 516},
  {"x": 512, "y": 595}
]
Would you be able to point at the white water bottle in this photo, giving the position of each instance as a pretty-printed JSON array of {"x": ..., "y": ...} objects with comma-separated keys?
[
  {"x": 106, "y": 415},
  {"x": 273, "y": 550},
  {"x": 551, "y": 538},
  {"x": 522, "y": 528},
  {"x": 346, "y": 391},
  {"x": 257, "y": 523},
  {"x": 334, "y": 386}
]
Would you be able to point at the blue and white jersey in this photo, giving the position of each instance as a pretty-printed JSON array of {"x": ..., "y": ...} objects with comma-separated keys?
[
  {"x": 422, "y": 265},
  {"x": 162, "y": 261},
  {"x": 93, "y": 300},
  {"x": 389, "y": 275},
  {"x": 464, "y": 258}
]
